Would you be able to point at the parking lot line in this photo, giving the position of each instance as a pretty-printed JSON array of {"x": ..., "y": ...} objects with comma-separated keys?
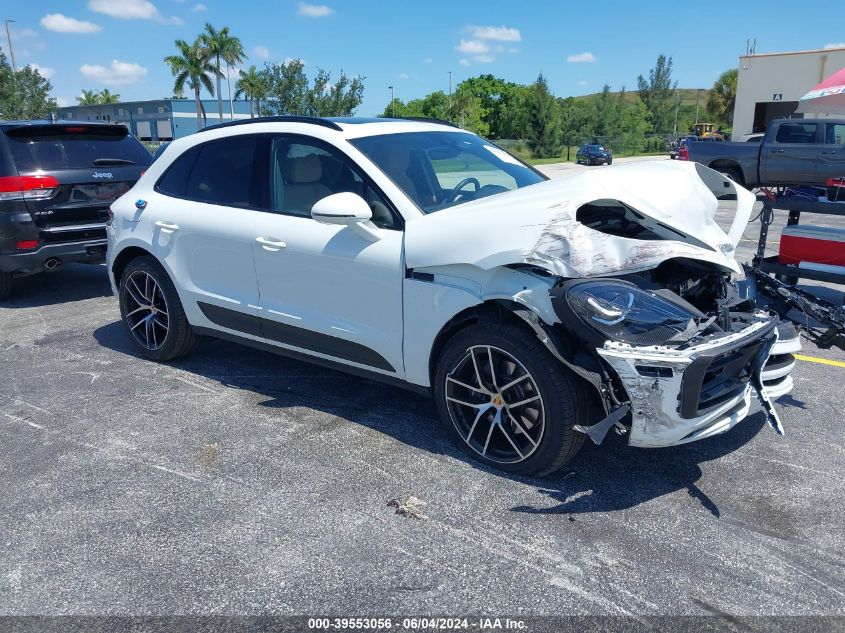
[{"x": 821, "y": 361}]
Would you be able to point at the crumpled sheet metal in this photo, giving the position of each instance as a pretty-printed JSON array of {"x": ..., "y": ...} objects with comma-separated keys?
[{"x": 537, "y": 225}]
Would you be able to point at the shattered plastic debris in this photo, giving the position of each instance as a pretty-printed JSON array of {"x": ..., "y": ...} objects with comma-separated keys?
[{"x": 409, "y": 507}]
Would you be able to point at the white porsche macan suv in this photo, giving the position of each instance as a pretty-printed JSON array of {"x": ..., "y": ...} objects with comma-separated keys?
[{"x": 537, "y": 312}]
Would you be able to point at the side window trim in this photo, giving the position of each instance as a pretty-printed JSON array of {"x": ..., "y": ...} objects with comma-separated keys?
[{"x": 292, "y": 138}]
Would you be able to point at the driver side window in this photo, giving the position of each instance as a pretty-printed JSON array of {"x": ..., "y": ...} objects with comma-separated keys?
[{"x": 302, "y": 173}]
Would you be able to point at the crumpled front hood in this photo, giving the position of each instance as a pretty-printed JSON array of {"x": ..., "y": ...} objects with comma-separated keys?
[{"x": 537, "y": 225}]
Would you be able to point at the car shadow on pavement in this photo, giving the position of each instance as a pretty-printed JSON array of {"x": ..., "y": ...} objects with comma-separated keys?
[
  {"x": 615, "y": 476},
  {"x": 603, "y": 478},
  {"x": 74, "y": 282}
]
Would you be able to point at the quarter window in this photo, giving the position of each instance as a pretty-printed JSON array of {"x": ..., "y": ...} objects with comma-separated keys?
[{"x": 835, "y": 134}]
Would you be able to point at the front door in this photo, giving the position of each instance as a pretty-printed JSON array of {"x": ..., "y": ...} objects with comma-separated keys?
[
  {"x": 792, "y": 157},
  {"x": 832, "y": 160},
  {"x": 325, "y": 289}
]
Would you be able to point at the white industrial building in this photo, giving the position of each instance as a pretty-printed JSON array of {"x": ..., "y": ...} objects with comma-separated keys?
[{"x": 770, "y": 85}]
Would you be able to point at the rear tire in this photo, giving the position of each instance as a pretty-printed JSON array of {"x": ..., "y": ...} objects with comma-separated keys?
[
  {"x": 152, "y": 312},
  {"x": 484, "y": 414},
  {"x": 5, "y": 285},
  {"x": 732, "y": 173},
  {"x": 609, "y": 161}
]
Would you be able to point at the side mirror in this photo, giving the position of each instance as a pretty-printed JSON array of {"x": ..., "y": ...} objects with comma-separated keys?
[
  {"x": 347, "y": 209},
  {"x": 341, "y": 208}
]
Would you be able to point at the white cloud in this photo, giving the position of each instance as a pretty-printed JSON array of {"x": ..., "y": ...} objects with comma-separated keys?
[
  {"x": 582, "y": 83},
  {"x": 472, "y": 47},
  {"x": 582, "y": 58},
  {"x": 63, "y": 24},
  {"x": 428, "y": 60},
  {"x": 835, "y": 45},
  {"x": 500, "y": 33},
  {"x": 131, "y": 10},
  {"x": 44, "y": 71},
  {"x": 401, "y": 76},
  {"x": 465, "y": 62},
  {"x": 117, "y": 74},
  {"x": 483, "y": 59},
  {"x": 24, "y": 34},
  {"x": 199, "y": 7},
  {"x": 261, "y": 52},
  {"x": 314, "y": 10},
  {"x": 62, "y": 102}
]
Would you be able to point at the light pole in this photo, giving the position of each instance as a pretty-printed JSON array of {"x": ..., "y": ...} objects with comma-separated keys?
[
  {"x": 697, "y": 96},
  {"x": 392, "y": 103},
  {"x": 11, "y": 50}
]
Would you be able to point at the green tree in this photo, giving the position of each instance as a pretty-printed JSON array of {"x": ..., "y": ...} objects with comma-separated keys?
[
  {"x": 192, "y": 67},
  {"x": 287, "y": 87},
  {"x": 107, "y": 97},
  {"x": 544, "y": 128},
  {"x": 502, "y": 104},
  {"x": 606, "y": 123},
  {"x": 577, "y": 118},
  {"x": 213, "y": 42},
  {"x": 88, "y": 97},
  {"x": 233, "y": 54},
  {"x": 634, "y": 123},
  {"x": 290, "y": 92},
  {"x": 468, "y": 112},
  {"x": 251, "y": 85},
  {"x": 658, "y": 94},
  {"x": 24, "y": 94},
  {"x": 722, "y": 97}
]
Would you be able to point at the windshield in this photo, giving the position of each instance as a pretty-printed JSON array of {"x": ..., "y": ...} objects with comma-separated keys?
[
  {"x": 442, "y": 169},
  {"x": 71, "y": 147}
]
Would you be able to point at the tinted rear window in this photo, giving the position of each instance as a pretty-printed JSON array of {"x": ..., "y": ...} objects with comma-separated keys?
[{"x": 72, "y": 147}]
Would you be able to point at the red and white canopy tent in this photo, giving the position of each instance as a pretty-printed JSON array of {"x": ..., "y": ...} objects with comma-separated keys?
[{"x": 827, "y": 97}]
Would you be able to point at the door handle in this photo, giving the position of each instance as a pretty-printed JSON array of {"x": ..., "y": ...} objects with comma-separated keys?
[
  {"x": 167, "y": 227},
  {"x": 777, "y": 151},
  {"x": 270, "y": 244}
]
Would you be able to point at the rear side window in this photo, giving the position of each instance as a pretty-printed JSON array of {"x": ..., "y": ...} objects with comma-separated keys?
[
  {"x": 52, "y": 147},
  {"x": 220, "y": 172},
  {"x": 797, "y": 133}
]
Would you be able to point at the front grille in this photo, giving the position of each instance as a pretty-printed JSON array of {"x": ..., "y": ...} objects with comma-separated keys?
[{"x": 715, "y": 378}]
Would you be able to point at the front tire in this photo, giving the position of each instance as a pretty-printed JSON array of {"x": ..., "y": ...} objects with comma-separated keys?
[
  {"x": 507, "y": 402},
  {"x": 152, "y": 312},
  {"x": 732, "y": 173}
]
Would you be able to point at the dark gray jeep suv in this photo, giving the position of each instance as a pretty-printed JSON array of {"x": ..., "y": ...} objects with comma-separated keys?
[{"x": 57, "y": 181}]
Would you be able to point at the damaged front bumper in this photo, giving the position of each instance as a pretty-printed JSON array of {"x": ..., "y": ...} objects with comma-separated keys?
[{"x": 682, "y": 395}]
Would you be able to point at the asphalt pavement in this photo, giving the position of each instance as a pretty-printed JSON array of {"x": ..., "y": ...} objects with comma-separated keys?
[{"x": 238, "y": 482}]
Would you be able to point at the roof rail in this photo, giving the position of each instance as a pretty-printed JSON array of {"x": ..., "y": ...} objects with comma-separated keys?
[
  {"x": 313, "y": 120},
  {"x": 423, "y": 119}
]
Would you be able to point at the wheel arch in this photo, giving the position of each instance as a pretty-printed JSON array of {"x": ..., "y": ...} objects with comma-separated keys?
[
  {"x": 725, "y": 163},
  {"x": 122, "y": 259}
]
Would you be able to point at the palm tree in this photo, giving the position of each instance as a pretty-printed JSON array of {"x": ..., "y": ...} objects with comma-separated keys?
[
  {"x": 723, "y": 96},
  {"x": 233, "y": 54},
  {"x": 214, "y": 43},
  {"x": 106, "y": 97},
  {"x": 192, "y": 66},
  {"x": 88, "y": 97},
  {"x": 251, "y": 85}
]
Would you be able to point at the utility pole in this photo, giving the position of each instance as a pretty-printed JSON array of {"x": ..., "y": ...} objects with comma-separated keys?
[
  {"x": 450, "y": 95},
  {"x": 392, "y": 103},
  {"x": 11, "y": 50},
  {"x": 697, "y": 97}
]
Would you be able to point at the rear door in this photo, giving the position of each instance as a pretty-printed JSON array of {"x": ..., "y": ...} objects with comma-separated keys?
[
  {"x": 832, "y": 158},
  {"x": 199, "y": 221},
  {"x": 93, "y": 166},
  {"x": 792, "y": 156}
]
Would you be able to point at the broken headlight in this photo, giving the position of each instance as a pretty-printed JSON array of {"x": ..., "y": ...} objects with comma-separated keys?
[{"x": 620, "y": 311}]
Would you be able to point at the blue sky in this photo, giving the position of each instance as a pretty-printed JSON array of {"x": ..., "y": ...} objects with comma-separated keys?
[{"x": 120, "y": 44}]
